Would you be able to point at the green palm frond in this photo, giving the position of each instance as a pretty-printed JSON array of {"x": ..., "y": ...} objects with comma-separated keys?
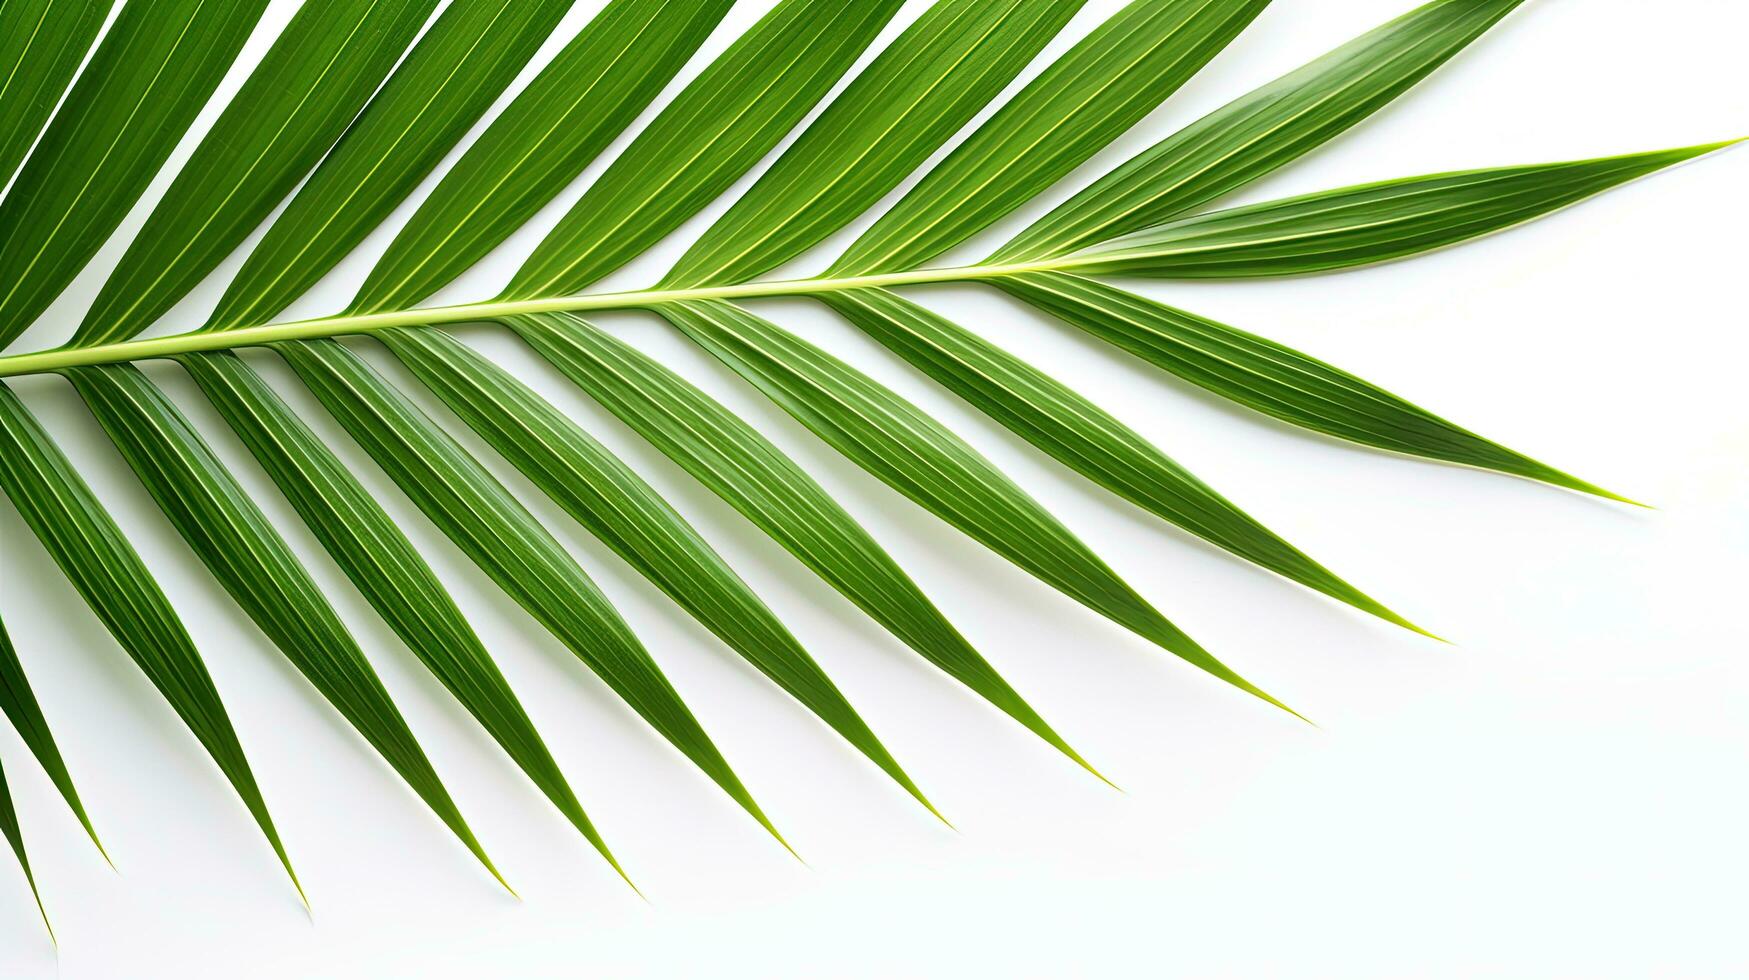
[{"x": 356, "y": 103}]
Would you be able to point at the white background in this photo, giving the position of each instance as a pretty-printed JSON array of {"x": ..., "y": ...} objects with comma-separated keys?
[{"x": 1561, "y": 793}]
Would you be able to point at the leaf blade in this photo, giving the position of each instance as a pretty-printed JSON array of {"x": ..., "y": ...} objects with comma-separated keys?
[
  {"x": 626, "y": 514},
  {"x": 735, "y": 111},
  {"x": 384, "y": 566},
  {"x": 1270, "y": 378},
  {"x": 1074, "y": 431},
  {"x": 318, "y": 74},
  {"x": 459, "y": 66},
  {"x": 228, "y": 532},
  {"x": 91, "y": 550},
  {"x": 1261, "y": 131},
  {"x": 915, "y": 95},
  {"x": 41, "y": 46},
  {"x": 909, "y": 451},
  {"x": 750, "y": 474},
  {"x": 149, "y": 77},
  {"x": 1367, "y": 223},
  {"x": 487, "y": 522},
  {"x": 566, "y": 116},
  {"x": 1101, "y": 87}
]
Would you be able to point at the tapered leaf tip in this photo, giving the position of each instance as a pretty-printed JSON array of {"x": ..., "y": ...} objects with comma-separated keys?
[
  {"x": 1272, "y": 700},
  {"x": 1338, "y": 589},
  {"x": 271, "y": 832},
  {"x": 1682, "y": 154},
  {"x": 573, "y": 811},
  {"x": 1064, "y": 747},
  {"x": 1554, "y": 477},
  {"x": 786, "y": 845},
  {"x": 613, "y": 863},
  {"x": 1618, "y": 498},
  {"x": 1175, "y": 641},
  {"x": 1435, "y": 637},
  {"x": 43, "y": 911},
  {"x": 904, "y": 780},
  {"x": 1101, "y": 776},
  {"x": 505, "y": 884},
  {"x": 1384, "y": 613},
  {"x": 1222, "y": 671},
  {"x": 100, "y": 848},
  {"x": 297, "y": 886},
  {"x": 492, "y": 869},
  {"x": 741, "y": 796},
  {"x": 1722, "y": 144}
]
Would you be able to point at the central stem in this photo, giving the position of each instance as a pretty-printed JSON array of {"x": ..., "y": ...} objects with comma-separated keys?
[{"x": 334, "y": 326}]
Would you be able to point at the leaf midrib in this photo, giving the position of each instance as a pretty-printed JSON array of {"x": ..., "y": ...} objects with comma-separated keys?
[{"x": 60, "y": 359}]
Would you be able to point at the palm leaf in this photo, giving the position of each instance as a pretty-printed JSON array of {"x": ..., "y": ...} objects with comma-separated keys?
[
  {"x": 627, "y": 515},
  {"x": 361, "y": 102},
  {"x": 1081, "y": 435},
  {"x": 381, "y": 562},
  {"x": 587, "y": 96},
  {"x": 505, "y": 540},
  {"x": 148, "y": 78},
  {"x": 713, "y": 131},
  {"x": 228, "y": 532},
  {"x": 41, "y": 45},
  {"x": 1267, "y": 377},
  {"x": 319, "y": 73},
  {"x": 92, "y": 552},
  {"x": 1084, "y": 100},
  {"x": 920, "y": 458},
  {"x": 741, "y": 466},
  {"x": 1367, "y": 223},
  {"x": 1261, "y": 131},
  {"x": 920, "y": 91},
  {"x": 439, "y": 90}
]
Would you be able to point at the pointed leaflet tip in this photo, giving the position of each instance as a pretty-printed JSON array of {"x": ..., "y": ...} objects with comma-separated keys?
[
  {"x": 628, "y": 515},
  {"x": 1063, "y": 747},
  {"x": 763, "y": 822},
  {"x": 1553, "y": 477},
  {"x": 1704, "y": 148},
  {"x": 612, "y": 862},
  {"x": 499, "y": 877},
  {"x": 1038, "y": 727},
  {"x": 1434, "y": 636},
  {"x": 1272, "y": 700},
  {"x": 1203, "y": 659},
  {"x": 891, "y": 767},
  {"x": 1082, "y": 436},
  {"x": 1559, "y": 479},
  {"x": 1101, "y": 777},
  {"x": 938, "y": 814},
  {"x": 466, "y": 834},
  {"x": 1376, "y": 609},
  {"x": 632, "y": 885},
  {"x": 43, "y": 911},
  {"x": 303, "y": 897}
]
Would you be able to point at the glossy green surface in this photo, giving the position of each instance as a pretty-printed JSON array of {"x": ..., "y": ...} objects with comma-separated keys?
[{"x": 364, "y": 102}]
